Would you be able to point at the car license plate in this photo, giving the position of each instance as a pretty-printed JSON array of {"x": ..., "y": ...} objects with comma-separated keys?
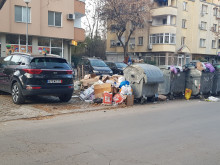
[{"x": 54, "y": 81}]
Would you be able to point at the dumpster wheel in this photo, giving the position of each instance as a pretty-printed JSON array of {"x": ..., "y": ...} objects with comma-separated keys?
[{"x": 201, "y": 97}]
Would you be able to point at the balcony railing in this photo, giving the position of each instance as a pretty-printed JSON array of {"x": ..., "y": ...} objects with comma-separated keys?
[
  {"x": 168, "y": 10},
  {"x": 79, "y": 7},
  {"x": 79, "y": 34}
]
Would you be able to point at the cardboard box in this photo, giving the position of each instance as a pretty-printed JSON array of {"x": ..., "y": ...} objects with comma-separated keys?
[
  {"x": 101, "y": 88},
  {"x": 89, "y": 82},
  {"x": 129, "y": 100}
]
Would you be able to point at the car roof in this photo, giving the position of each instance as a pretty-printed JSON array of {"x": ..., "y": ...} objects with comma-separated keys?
[
  {"x": 37, "y": 55},
  {"x": 94, "y": 59}
]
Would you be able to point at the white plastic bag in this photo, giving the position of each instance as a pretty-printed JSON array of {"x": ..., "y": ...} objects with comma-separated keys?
[{"x": 126, "y": 90}]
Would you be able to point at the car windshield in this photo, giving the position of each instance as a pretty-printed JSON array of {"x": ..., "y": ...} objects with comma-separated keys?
[
  {"x": 49, "y": 63},
  {"x": 98, "y": 63},
  {"x": 121, "y": 65}
]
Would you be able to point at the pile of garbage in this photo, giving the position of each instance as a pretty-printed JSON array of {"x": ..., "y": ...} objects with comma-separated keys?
[
  {"x": 105, "y": 89},
  {"x": 205, "y": 67}
]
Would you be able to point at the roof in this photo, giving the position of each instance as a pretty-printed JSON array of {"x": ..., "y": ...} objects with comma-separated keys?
[{"x": 2, "y": 2}]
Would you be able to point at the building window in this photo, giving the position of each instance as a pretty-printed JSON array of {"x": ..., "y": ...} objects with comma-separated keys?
[
  {"x": 54, "y": 18},
  {"x": 21, "y": 14},
  {"x": 173, "y": 38},
  {"x": 12, "y": 39},
  {"x": 215, "y": 11},
  {"x": 140, "y": 40},
  {"x": 202, "y": 43},
  {"x": 184, "y": 6},
  {"x": 183, "y": 23},
  {"x": 167, "y": 38},
  {"x": 183, "y": 40},
  {"x": 50, "y": 46},
  {"x": 43, "y": 41},
  {"x": 112, "y": 43},
  {"x": 203, "y": 25},
  {"x": 113, "y": 28},
  {"x": 214, "y": 28},
  {"x": 140, "y": 25},
  {"x": 204, "y": 9},
  {"x": 213, "y": 44},
  {"x": 187, "y": 59},
  {"x": 132, "y": 41},
  {"x": 23, "y": 40},
  {"x": 160, "y": 59},
  {"x": 17, "y": 43},
  {"x": 164, "y": 21},
  {"x": 163, "y": 38}
]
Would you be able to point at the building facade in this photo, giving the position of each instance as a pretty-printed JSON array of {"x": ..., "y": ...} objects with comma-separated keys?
[
  {"x": 52, "y": 26},
  {"x": 179, "y": 31}
]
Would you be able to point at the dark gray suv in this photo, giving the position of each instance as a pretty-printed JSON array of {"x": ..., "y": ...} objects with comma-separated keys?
[{"x": 27, "y": 75}]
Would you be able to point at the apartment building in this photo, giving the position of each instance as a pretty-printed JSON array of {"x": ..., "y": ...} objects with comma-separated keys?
[
  {"x": 52, "y": 26},
  {"x": 179, "y": 31}
]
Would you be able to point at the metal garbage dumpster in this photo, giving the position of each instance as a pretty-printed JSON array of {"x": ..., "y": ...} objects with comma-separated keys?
[
  {"x": 144, "y": 80},
  {"x": 216, "y": 82},
  {"x": 174, "y": 83},
  {"x": 199, "y": 82}
]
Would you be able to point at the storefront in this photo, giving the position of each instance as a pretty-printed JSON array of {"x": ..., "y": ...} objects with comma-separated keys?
[{"x": 11, "y": 43}]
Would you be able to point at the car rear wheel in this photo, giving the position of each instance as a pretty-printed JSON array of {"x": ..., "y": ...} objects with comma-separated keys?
[
  {"x": 65, "y": 97},
  {"x": 17, "y": 96}
]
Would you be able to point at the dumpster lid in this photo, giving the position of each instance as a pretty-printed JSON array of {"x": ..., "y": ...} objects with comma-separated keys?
[{"x": 150, "y": 73}]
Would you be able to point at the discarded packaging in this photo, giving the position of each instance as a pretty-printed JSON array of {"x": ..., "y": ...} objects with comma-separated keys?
[
  {"x": 130, "y": 100},
  {"x": 107, "y": 98},
  {"x": 118, "y": 98},
  {"x": 126, "y": 90},
  {"x": 213, "y": 99},
  {"x": 162, "y": 98},
  {"x": 188, "y": 93},
  {"x": 101, "y": 88},
  {"x": 87, "y": 93}
]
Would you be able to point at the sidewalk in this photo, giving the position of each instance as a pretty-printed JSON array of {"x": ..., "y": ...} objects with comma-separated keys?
[{"x": 44, "y": 107}]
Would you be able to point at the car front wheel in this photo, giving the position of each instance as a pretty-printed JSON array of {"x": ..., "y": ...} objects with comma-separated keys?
[
  {"x": 17, "y": 96},
  {"x": 65, "y": 97}
]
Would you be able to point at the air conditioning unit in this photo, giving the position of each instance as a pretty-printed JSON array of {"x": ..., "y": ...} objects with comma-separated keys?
[
  {"x": 70, "y": 16},
  {"x": 118, "y": 43},
  {"x": 150, "y": 46}
]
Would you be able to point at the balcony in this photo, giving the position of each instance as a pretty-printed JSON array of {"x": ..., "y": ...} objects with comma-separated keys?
[
  {"x": 163, "y": 29},
  {"x": 167, "y": 10},
  {"x": 79, "y": 34},
  {"x": 79, "y": 6},
  {"x": 164, "y": 48}
]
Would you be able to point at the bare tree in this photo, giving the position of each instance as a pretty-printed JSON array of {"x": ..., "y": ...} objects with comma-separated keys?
[
  {"x": 124, "y": 16},
  {"x": 92, "y": 22}
]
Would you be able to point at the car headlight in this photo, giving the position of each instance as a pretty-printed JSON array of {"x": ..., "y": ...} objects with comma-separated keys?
[{"x": 95, "y": 71}]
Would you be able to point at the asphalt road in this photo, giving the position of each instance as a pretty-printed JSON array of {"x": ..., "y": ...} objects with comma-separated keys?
[{"x": 177, "y": 133}]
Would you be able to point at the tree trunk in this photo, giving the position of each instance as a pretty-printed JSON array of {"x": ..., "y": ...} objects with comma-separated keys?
[{"x": 126, "y": 57}]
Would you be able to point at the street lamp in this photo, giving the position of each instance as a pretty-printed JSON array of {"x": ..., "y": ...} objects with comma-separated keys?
[{"x": 27, "y": 2}]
